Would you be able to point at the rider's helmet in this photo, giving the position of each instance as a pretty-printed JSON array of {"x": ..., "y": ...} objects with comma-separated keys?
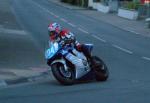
[{"x": 53, "y": 30}]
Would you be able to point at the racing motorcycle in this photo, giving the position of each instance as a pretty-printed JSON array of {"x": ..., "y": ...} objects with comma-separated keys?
[{"x": 79, "y": 67}]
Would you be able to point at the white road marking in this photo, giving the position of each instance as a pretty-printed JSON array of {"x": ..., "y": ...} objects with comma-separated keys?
[
  {"x": 45, "y": 9},
  {"x": 89, "y": 19},
  {"x": 132, "y": 31},
  {"x": 72, "y": 25},
  {"x": 99, "y": 38},
  {"x": 146, "y": 58},
  {"x": 62, "y": 19},
  {"x": 13, "y": 31},
  {"x": 42, "y": 8},
  {"x": 82, "y": 30},
  {"x": 56, "y": 16},
  {"x": 51, "y": 12},
  {"x": 82, "y": 27},
  {"x": 122, "y": 49},
  {"x": 2, "y": 83}
]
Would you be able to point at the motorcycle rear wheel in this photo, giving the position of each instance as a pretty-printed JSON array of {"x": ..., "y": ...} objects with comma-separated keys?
[
  {"x": 64, "y": 77},
  {"x": 101, "y": 71}
]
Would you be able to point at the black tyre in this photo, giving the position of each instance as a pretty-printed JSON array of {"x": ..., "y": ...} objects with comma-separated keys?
[
  {"x": 101, "y": 70},
  {"x": 63, "y": 76}
]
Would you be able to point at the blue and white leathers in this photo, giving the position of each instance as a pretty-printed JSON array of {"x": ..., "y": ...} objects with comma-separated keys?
[{"x": 76, "y": 58}]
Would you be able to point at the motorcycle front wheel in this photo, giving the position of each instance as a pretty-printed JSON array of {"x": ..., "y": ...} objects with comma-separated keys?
[{"x": 63, "y": 76}]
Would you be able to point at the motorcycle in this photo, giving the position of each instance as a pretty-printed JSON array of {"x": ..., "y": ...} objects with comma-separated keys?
[{"x": 68, "y": 72}]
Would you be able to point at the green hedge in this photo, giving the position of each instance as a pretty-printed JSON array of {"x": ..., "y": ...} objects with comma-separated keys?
[{"x": 131, "y": 5}]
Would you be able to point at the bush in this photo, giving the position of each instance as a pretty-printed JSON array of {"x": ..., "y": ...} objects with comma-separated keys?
[{"x": 133, "y": 5}]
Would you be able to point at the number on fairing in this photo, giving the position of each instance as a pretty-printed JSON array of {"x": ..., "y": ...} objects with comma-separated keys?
[{"x": 51, "y": 51}]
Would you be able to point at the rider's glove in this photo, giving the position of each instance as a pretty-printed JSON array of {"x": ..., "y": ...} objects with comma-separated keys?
[
  {"x": 79, "y": 47},
  {"x": 62, "y": 43}
]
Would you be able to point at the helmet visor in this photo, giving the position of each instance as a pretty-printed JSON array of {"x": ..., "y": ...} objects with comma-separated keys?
[{"x": 52, "y": 33}]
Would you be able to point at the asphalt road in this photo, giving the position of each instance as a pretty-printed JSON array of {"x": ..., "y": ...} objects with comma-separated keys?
[
  {"x": 126, "y": 54},
  {"x": 18, "y": 50}
]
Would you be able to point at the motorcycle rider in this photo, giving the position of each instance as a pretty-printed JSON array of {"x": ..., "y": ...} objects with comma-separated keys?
[{"x": 62, "y": 36}]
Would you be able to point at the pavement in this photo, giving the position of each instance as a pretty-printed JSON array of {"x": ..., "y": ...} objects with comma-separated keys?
[
  {"x": 133, "y": 26},
  {"x": 11, "y": 75}
]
